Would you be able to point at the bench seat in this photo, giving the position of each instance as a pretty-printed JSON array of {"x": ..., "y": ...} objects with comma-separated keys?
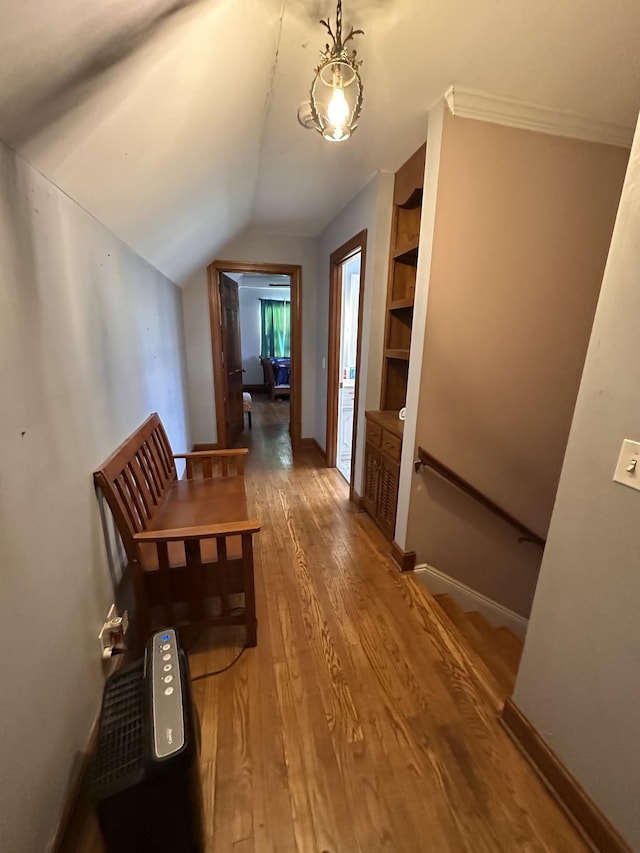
[{"x": 188, "y": 542}]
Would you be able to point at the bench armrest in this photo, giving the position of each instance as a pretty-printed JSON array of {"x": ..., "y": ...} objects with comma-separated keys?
[
  {"x": 203, "y": 454},
  {"x": 205, "y": 463},
  {"x": 201, "y": 531}
]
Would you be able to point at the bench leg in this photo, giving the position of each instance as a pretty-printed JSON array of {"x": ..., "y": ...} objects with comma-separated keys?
[
  {"x": 252, "y": 634},
  {"x": 142, "y": 615},
  {"x": 250, "y": 621}
]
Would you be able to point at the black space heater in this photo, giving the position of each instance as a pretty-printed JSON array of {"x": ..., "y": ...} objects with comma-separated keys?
[{"x": 146, "y": 778}]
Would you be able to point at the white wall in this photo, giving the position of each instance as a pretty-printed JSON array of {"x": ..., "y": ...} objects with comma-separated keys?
[
  {"x": 90, "y": 343},
  {"x": 197, "y": 332},
  {"x": 250, "y": 247},
  {"x": 579, "y": 681},
  {"x": 250, "y": 328},
  {"x": 370, "y": 209}
]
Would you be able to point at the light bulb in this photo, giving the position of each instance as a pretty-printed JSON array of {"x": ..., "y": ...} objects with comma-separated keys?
[{"x": 338, "y": 109}]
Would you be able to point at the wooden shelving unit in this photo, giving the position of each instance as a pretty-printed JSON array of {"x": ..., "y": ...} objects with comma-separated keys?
[
  {"x": 405, "y": 237},
  {"x": 384, "y": 430}
]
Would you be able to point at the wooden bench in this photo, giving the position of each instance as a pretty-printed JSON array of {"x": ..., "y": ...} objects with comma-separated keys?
[{"x": 188, "y": 542}]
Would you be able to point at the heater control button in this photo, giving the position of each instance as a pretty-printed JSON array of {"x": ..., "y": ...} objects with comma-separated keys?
[
  {"x": 165, "y": 647},
  {"x": 166, "y": 657},
  {"x": 167, "y": 679},
  {"x": 168, "y": 691},
  {"x": 167, "y": 667}
]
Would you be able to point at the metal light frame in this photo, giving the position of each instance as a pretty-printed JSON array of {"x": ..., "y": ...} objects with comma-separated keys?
[{"x": 338, "y": 68}]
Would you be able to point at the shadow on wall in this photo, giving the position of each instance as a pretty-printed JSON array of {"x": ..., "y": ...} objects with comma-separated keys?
[{"x": 43, "y": 99}]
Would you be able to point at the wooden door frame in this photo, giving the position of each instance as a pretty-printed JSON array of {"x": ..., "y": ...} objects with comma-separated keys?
[
  {"x": 338, "y": 257},
  {"x": 294, "y": 271}
]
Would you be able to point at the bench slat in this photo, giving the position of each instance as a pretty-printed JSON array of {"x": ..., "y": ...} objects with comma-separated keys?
[
  {"x": 122, "y": 489},
  {"x": 135, "y": 497},
  {"x": 152, "y": 472},
  {"x": 165, "y": 448},
  {"x": 139, "y": 490},
  {"x": 156, "y": 450}
]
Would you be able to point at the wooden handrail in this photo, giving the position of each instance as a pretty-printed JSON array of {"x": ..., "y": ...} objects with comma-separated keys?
[{"x": 426, "y": 460}]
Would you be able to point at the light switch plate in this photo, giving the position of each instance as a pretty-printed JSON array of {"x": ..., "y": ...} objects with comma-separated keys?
[{"x": 628, "y": 468}]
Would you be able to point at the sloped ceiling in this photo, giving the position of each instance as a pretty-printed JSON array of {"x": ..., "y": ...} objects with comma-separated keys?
[{"x": 174, "y": 121}]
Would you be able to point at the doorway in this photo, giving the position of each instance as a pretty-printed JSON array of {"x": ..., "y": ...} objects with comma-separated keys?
[
  {"x": 230, "y": 370},
  {"x": 347, "y": 266}
]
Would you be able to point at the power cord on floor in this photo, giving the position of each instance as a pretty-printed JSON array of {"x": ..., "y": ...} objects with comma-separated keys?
[
  {"x": 220, "y": 671},
  {"x": 195, "y": 639}
]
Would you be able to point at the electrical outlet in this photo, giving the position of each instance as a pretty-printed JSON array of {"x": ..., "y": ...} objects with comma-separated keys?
[{"x": 113, "y": 631}]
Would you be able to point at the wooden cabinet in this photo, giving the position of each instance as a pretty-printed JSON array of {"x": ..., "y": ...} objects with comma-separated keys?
[
  {"x": 384, "y": 430},
  {"x": 382, "y": 468}
]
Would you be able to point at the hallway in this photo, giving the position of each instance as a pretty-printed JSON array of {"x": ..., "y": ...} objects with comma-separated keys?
[{"x": 356, "y": 724}]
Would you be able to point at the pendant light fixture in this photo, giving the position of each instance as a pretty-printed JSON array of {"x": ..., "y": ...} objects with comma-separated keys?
[{"x": 336, "y": 92}]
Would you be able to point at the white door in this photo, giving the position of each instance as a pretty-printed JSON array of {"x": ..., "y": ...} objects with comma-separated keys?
[{"x": 350, "y": 270}]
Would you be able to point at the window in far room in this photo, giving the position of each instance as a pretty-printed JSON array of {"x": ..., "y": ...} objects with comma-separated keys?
[{"x": 275, "y": 320}]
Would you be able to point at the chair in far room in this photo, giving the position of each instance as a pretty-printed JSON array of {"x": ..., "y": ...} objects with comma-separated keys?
[{"x": 276, "y": 378}]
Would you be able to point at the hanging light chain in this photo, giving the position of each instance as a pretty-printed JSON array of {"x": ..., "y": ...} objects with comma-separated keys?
[{"x": 339, "y": 25}]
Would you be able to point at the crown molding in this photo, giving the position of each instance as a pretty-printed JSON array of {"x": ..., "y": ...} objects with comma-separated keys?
[{"x": 481, "y": 106}]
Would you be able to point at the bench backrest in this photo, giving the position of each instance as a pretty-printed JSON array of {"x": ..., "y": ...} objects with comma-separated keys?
[{"x": 135, "y": 478}]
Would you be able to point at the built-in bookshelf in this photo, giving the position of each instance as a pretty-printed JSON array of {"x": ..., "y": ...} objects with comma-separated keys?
[
  {"x": 403, "y": 261},
  {"x": 384, "y": 430}
]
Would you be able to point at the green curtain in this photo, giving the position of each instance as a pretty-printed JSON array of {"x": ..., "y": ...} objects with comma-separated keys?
[{"x": 275, "y": 317}]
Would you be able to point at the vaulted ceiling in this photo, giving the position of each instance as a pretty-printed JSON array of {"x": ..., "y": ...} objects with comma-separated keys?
[{"x": 174, "y": 121}]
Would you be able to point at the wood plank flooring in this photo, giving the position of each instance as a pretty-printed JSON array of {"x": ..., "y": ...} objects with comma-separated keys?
[{"x": 358, "y": 723}]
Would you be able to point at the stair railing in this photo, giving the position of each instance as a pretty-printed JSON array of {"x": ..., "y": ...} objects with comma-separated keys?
[{"x": 427, "y": 460}]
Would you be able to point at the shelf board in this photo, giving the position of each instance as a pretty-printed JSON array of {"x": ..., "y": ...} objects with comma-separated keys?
[
  {"x": 414, "y": 200},
  {"x": 398, "y": 304},
  {"x": 400, "y": 354},
  {"x": 407, "y": 254}
]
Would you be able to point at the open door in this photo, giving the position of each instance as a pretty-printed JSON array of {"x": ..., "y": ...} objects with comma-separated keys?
[
  {"x": 231, "y": 358},
  {"x": 347, "y": 265}
]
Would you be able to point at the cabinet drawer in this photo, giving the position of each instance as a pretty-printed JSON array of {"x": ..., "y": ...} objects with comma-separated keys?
[
  {"x": 374, "y": 433},
  {"x": 391, "y": 445}
]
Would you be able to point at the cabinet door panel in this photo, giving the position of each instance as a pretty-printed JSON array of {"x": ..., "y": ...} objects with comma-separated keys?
[
  {"x": 388, "y": 495},
  {"x": 371, "y": 477}
]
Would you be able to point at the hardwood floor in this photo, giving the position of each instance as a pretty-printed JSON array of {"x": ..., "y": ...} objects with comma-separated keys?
[
  {"x": 267, "y": 413},
  {"x": 358, "y": 723}
]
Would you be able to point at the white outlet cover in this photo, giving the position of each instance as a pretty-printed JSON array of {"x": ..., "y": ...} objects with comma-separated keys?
[{"x": 627, "y": 473}]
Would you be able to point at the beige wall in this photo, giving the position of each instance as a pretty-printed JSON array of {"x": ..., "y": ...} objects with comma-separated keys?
[
  {"x": 522, "y": 227},
  {"x": 579, "y": 678},
  {"x": 90, "y": 344}
]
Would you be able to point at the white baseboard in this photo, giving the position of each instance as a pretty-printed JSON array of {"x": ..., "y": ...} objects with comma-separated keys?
[{"x": 468, "y": 599}]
